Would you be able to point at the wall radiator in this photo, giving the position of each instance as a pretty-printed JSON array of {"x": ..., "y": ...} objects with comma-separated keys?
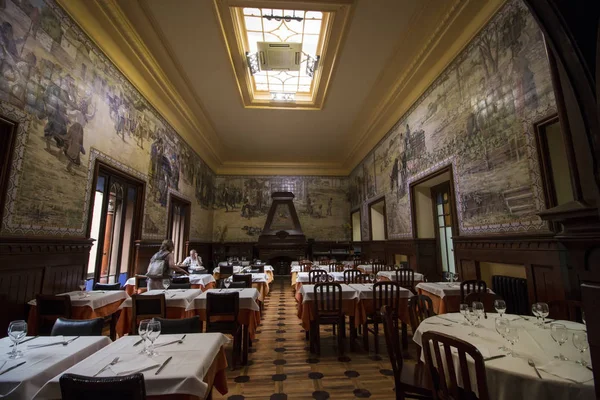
[{"x": 514, "y": 292}]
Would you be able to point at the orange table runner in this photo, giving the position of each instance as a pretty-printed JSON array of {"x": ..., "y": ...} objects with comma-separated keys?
[
  {"x": 449, "y": 304},
  {"x": 76, "y": 313}
]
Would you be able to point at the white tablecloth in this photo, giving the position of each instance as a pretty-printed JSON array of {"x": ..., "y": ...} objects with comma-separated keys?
[
  {"x": 303, "y": 276},
  {"x": 42, "y": 364},
  {"x": 184, "y": 374},
  {"x": 391, "y": 275},
  {"x": 442, "y": 289},
  {"x": 348, "y": 292},
  {"x": 94, "y": 299},
  {"x": 511, "y": 378},
  {"x": 179, "y": 298},
  {"x": 237, "y": 269},
  {"x": 248, "y": 299},
  {"x": 202, "y": 279},
  {"x": 365, "y": 291}
]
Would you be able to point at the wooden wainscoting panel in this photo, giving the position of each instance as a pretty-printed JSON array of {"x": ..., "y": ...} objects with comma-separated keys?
[
  {"x": 547, "y": 284},
  {"x": 144, "y": 250},
  {"x": 17, "y": 287},
  {"x": 427, "y": 259},
  {"x": 468, "y": 269},
  {"x": 62, "y": 278}
]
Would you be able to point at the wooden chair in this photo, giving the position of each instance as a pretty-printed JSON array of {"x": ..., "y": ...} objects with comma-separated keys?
[
  {"x": 141, "y": 283},
  {"x": 76, "y": 387},
  {"x": 420, "y": 307},
  {"x": 246, "y": 278},
  {"x": 180, "y": 279},
  {"x": 225, "y": 271},
  {"x": 385, "y": 293},
  {"x": 236, "y": 285},
  {"x": 363, "y": 278},
  {"x": 317, "y": 276},
  {"x": 107, "y": 286},
  {"x": 571, "y": 310},
  {"x": 49, "y": 309},
  {"x": 410, "y": 379},
  {"x": 222, "y": 311},
  {"x": 179, "y": 326},
  {"x": 78, "y": 327},
  {"x": 377, "y": 268},
  {"x": 337, "y": 267},
  {"x": 350, "y": 275},
  {"x": 405, "y": 277},
  {"x": 305, "y": 266},
  {"x": 180, "y": 286},
  {"x": 145, "y": 307},
  {"x": 486, "y": 298},
  {"x": 443, "y": 374},
  {"x": 327, "y": 310},
  {"x": 260, "y": 269},
  {"x": 471, "y": 286}
]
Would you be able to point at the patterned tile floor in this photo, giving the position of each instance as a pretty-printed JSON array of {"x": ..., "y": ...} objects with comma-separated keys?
[{"x": 281, "y": 367}]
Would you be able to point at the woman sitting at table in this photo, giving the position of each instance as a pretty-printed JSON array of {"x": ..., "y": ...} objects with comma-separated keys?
[
  {"x": 161, "y": 265},
  {"x": 193, "y": 262}
]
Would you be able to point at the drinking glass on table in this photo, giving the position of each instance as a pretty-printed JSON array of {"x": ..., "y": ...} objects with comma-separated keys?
[
  {"x": 580, "y": 341},
  {"x": 543, "y": 310},
  {"x": 464, "y": 308},
  {"x": 227, "y": 282},
  {"x": 152, "y": 333},
  {"x": 17, "y": 330},
  {"x": 142, "y": 331},
  {"x": 166, "y": 283},
  {"x": 478, "y": 309},
  {"x": 501, "y": 325},
  {"x": 512, "y": 335},
  {"x": 500, "y": 306},
  {"x": 472, "y": 316},
  {"x": 372, "y": 277},
  {"x": 82, "y": 285},
  {"x": 560, "y": 335},
  {"x": 536, "y": 312}
]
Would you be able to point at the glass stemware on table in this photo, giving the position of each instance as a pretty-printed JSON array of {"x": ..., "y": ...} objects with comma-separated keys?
[
  {"x": 82, "y": 285},
  {"x": 501, "y": 325},
  {"x": 472, "y": 316},
  {"x": 152, "y": 333},
  {"x": 166, "y": 283},
  {"x": 512, "y": 335},
  {"x": 500, "y": 307},
  {"x": 464, "y": 308},
  {"x": 479, "y": 310},
  {"x": 227, "y": 282},
  {"x": 372, "y": 277},
  {"x": 17, "y": 330},
  {"x": 580, "y": 341},
  {"x": 560, "y": 334},
  {"x": 142, "y": 331}
]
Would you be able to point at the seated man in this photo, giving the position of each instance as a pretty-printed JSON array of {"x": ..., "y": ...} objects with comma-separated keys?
[{"x": 193, "y": 262}]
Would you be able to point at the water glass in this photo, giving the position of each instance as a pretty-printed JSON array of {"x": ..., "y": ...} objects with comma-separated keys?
[
  {"x": 142, "y": 331},
  {"x": 580, "y": 341},
  {"x": 82, "y": 285},
  {"x": 478, "y": 309},
  {"x": 153, "y": 332},
  {"x": 512, "y": 335},
  {"x": 543, "y": 311},
  {"x": 501, "y": 325},
  {"x": 372, "y": 278},
  {"x": 166, "y": 283},
  {"x": 227, "y": 282},
  {"x": 500, "y": 306},
  {"x": 464, "y": 308},
  {"x": 536, "y": 313},
  {"x": 472, "y": 317},
  {"x": 17, "y": 330},
  {"x": 560, "y": 335}
]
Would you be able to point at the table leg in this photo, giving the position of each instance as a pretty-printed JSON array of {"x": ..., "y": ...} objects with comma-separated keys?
[
  {"x": 353, "y": 333},
  {"x": 246, "y": 339},
  {"x": 404, "y": 337}
]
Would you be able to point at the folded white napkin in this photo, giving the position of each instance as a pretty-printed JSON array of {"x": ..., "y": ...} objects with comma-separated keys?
[
  {"x": 138, "y": 363},
  {"x": 568, "y": 370}
]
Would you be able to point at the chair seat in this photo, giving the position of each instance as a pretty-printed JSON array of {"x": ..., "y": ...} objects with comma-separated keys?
[{"x": 414, "y": 380}]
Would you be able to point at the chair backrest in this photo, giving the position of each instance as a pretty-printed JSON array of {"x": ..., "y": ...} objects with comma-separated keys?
[
  {"x": 146, "y": 306},
  {"x": 377, "y": 268},
  {"x": 571, "y": 310},
  {"x": 336, "y": 267},
  {"x": 187, "y": 285},
  {"x": 362, "y": 278},
  {"x": 440, "y": 362},
  {"x": 77, "y": 387},
  {"x": 404, "y": 264},
  {"x": 392, "y": 342},
  {"x": 484, "y": 297},
  {"x": 327, "y": 299},
  {"x": 141, "y": 281},
  {"x": 107, "y": 286},
  {"x": 236, "y": 285},
  {"x": 221, "y": 305},
  {"x": 317, "y": 276},
  {"x": 180, "y": 279},
  {"x": 49, "y": 309},
  {"x": 225, "y": 270},
  {"x": 405, "y": 277},
  {"x": 356, "y": 262},
  {"x": 514, "y": 291},
  {"x": 350, "y": 275},
  {"x": 475, "y": 285},
  {"x": 246, "y": 278},
  {"x": 420, "y": 307},
  {"x": 305, "y": 266},
  {"x": 386, "y": 293},
  {"x": 78, "y": 327},
  {"x": 259, "y": 268},
  {"x": 177, "y": 326}
]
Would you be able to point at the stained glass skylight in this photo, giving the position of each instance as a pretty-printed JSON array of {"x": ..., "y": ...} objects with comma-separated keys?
[{"x": 272, "y": 25}]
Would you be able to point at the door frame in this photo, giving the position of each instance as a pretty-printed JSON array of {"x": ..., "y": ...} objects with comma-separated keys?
[
  {"x": 359, "y": 211},
  {"x": 188, "y": 214},
  {"x": 385, "y": 230},
  {"x": 7, "y": 160},
  {"x": 136, "y": 230}
]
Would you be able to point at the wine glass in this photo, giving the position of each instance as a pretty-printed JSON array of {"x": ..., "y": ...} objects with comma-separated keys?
[
  {"x": 560, "y": 335},
  {"x": 82, "y": 284},
  {"x": 536, "y": 313},
  {"x": 152, "y": 333},
  {"x": 142, "y": 331},
  {"x": 166, "y": 283},
  {"x": 478, "y": 309},
  {"x": 501, "y": 325},
  {"x": 512, "y": 335},
  {"x": 580, "y": 341},
  {"x": 583, "y": 318},
  {"x": 227, "y": 282},
  {"x": 543, "y": 310},
  {"x": 372, "y": 277},
  {"x": 500, "y": 306},
  {"x": 464, "y": 308},
  {"x": 17, "y": 330},
  {"x": 472, "y": 317}
]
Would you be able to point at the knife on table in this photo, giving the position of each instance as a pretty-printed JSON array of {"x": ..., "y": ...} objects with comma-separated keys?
[
  {"x": 163, "y": 365},
  {"x": 13, "y": 367},
  {"x": 494, "y": 357},
  {"x": 25, "y": 341}
]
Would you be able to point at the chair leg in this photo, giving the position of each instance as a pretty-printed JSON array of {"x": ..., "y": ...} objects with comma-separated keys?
[
  {"x": 244, "y": 345},
  {"x": 333, "y": 328},
  {"x": 318, "y": 339},
  {"x": 404, "y": 337},
  {"x": 307, "y": 335},
  {"x": 366, "y": 337},
  {"x": 376, "y": 336},
  {"x": 340, "y": 338}
]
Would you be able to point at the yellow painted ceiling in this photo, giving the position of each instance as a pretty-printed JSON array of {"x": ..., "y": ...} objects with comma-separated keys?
[{"x": 175, "y": 54}]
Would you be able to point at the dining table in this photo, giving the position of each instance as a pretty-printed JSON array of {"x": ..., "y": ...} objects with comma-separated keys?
[
  {"x": 248, "y": 313},
  {"x": 515, "y": 377},
  {"x": 445, "y": 296},
  {"x": 202, "y": 281},
  {"x": 44, "y": 357},
  {"x": 391, "y": 276},
  {"x": 194, "y": 366},
  {"x": 84, "y": 305},
  {"x": 177, "y": 301},
  {"x": 238, "y": 269}
]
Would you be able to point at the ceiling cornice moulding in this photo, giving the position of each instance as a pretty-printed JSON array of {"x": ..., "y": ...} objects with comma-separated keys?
[{"x": 285, "y": 169}]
